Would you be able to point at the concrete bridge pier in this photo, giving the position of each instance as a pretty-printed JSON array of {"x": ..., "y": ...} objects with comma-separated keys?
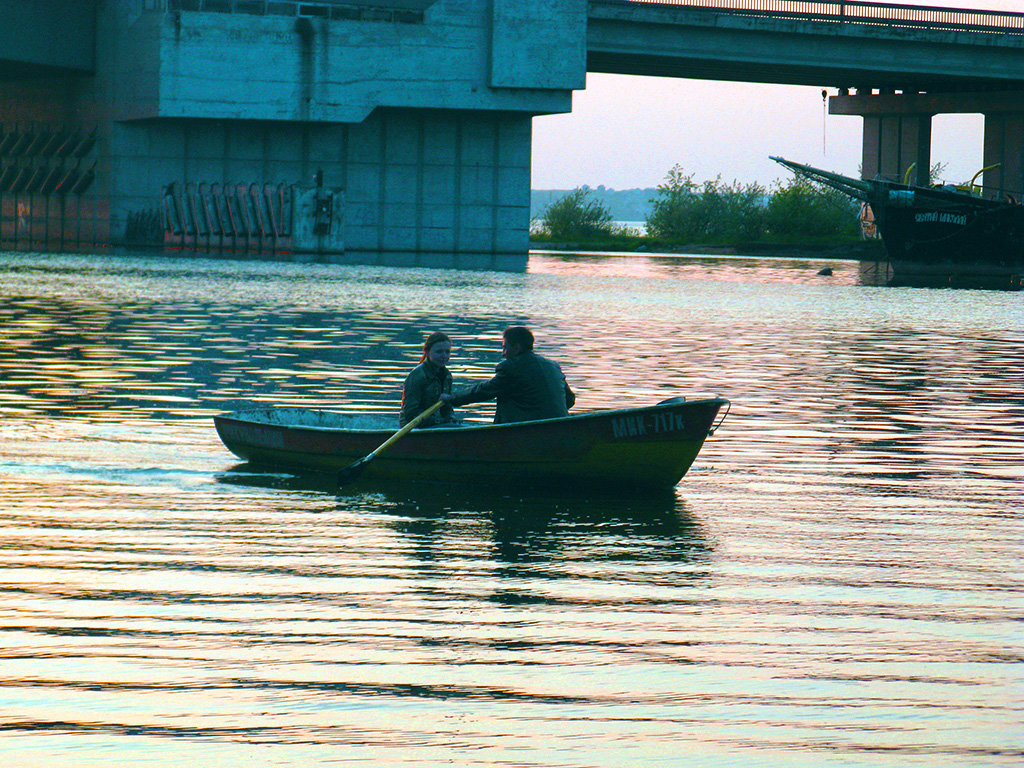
[
  {"x": 1004, "y": 154},
  {"x": 897, "y": 133},
  {"x": 894, "y": 145},
  {"x": 396, "y": 131}
]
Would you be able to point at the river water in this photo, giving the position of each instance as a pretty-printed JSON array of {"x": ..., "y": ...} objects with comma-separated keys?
[{"x": 836, "y": 582}]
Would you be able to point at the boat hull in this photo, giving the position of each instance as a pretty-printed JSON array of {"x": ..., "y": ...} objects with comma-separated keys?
[
  {"x": 938, "y": 236},
  {"x": 628, "y": 448},
  {"x": 935, "y": 240}
]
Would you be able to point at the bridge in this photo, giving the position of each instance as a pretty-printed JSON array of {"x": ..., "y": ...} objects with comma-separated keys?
[
  {"x": 895, "y": 65},
  {"x": 353, "y": 128},
  {"x": 795, "y": 42}
]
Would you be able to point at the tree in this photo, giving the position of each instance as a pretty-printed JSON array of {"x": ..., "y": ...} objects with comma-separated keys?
[
  {"x": 575, "y": 217},
  {"x": 673, "y": 211}
]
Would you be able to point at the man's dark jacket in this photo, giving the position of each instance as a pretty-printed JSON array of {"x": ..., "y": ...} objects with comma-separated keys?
[{"x": 527, "y": 387}]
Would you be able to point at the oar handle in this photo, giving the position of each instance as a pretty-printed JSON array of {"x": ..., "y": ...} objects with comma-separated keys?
[
  {"x": 352, "y": 471},
  {"x": 406, "y": 429}
]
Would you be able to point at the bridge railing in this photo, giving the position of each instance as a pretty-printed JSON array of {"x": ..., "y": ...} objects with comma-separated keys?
[
  {"x": 325, "y": 8},
  {"x": 856, "y": 12}
]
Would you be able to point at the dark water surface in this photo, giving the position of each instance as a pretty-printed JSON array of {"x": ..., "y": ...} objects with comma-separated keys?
[{"x": 837, "y": 582}]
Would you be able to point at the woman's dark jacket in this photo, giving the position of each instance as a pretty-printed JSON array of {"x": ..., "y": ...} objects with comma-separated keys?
[
  {"x": 423, "y": 388},
  {"x": 527, "y": 387}
]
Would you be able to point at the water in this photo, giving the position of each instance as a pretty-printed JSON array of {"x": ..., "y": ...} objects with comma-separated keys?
[{"x": 836, "y": 582}]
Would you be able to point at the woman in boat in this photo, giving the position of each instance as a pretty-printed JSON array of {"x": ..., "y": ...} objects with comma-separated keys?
[{"x": 427, "y": 382}]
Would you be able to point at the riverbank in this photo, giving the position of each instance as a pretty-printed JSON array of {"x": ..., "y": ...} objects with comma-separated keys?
[{"x": 863, "y": 250}]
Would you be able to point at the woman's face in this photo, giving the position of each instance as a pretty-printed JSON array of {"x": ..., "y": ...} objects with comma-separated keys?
[{"x": 440, "y": 353}]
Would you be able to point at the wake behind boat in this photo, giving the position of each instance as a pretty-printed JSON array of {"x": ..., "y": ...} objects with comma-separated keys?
[
  {"x": 938, "y": 235},
  {"x": 629, "y": 448}
]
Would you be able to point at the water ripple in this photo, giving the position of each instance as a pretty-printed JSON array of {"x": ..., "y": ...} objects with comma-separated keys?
[{"x": 837, "y": 581}]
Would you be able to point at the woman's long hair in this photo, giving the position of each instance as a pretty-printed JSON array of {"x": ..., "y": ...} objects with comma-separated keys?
[{"x": 433, "y": 339}]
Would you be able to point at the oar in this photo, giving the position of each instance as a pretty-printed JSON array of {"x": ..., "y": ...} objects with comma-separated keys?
[{"x": 352, "y": 471}]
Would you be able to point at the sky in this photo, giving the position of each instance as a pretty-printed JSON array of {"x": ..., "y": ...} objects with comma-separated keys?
[{"x": 627, "y": 131}]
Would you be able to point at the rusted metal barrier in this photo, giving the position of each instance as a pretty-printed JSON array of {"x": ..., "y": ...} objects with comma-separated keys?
[
  {"x": 246, "y": 218},
  {"x": 45, "y": 174}
]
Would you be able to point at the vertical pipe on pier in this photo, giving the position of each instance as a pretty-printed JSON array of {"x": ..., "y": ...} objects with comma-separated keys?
[{"x": 304, "y": 29}]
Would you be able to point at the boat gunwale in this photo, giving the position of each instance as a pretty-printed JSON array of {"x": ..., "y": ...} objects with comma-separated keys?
[{"x": 238, "y": 416}]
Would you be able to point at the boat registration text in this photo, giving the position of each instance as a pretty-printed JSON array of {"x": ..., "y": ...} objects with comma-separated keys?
[{"x": 649, "y": 424}]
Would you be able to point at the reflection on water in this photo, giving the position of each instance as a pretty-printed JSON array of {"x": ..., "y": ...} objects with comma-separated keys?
[
  {"x": 528, "y": 526},
  {"x": 836, "y": 582}
]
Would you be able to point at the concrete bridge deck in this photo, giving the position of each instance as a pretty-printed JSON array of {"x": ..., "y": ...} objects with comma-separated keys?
[{"x": 839, "y": 44}]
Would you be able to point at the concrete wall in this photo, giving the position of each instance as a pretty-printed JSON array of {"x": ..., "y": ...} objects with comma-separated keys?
[
  {"x": 48, "y": 33},
  {"x": 897, "y": 147},
  {"x": 444, "y": 187},
  {"x": 425, "y": 126},
  {"x": 1004, "y": 154},
  {"x": 464, "y": 55},
  {"x": 539, "y": 44}
]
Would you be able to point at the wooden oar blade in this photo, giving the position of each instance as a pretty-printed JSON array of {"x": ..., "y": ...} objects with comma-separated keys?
[{"x": 352, "y": 472}]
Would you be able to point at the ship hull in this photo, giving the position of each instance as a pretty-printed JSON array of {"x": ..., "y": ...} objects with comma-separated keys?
[
  {"x": 938, "y": 236},
  {"x": 934, "y": 241}
]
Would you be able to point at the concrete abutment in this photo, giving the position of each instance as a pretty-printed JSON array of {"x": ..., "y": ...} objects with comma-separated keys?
[
  {"x": 450, "y": 184},
  {"x": 212, "y": 129}
]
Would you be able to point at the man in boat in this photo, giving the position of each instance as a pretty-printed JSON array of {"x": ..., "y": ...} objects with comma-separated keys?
[{"x": 525, "y": 385}]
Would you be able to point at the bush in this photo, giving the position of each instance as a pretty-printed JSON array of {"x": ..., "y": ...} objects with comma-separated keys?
[
  {"x": 574, "y": 217},
  {"x": 674, "y": 212},
  {"x": 713, "y": 211},
  {"x": 802, "y": 207}
]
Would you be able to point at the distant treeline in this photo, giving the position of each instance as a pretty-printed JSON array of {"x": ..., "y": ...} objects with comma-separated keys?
[{"x": 622, "y": 204}]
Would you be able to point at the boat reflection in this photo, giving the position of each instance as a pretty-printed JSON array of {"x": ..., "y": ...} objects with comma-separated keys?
[{"x": 518, "y": 528}]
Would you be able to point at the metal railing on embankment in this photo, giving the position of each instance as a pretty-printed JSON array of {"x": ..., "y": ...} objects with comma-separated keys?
[{"x": 245, "y": 218}]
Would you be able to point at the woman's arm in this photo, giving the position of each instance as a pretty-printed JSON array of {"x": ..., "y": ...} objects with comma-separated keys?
[{"x": 412, "y": 397}]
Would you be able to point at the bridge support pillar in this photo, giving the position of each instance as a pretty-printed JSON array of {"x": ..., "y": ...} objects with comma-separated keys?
[
  {"x": 897, "y": 132},
  {"x": 1004, "y": 149},
  {"x": 893, "y": 144}
]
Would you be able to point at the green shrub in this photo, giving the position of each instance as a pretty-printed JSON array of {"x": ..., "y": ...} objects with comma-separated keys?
[
  {"x": 685, "y": 211},
  {"x": 800, "y": 207},
  {"x": 575, "y": 217},
  {"x": 713, "y": 211}
]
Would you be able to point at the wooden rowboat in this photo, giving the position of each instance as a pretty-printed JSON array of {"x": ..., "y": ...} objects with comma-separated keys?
[{"x": 648, "y": 447}]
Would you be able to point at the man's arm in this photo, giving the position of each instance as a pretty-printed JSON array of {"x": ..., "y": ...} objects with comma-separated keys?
[{"x": 498, "y": 384}]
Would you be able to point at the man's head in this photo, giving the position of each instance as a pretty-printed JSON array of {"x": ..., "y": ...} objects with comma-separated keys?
[{"x": 516, "y": 340}]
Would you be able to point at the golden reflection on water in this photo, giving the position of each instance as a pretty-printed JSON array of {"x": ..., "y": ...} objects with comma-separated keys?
[{"x": 836, "y": 582}]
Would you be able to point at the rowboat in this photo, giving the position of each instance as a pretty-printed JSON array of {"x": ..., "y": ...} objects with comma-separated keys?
[{"x": 627, "y": 448}]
